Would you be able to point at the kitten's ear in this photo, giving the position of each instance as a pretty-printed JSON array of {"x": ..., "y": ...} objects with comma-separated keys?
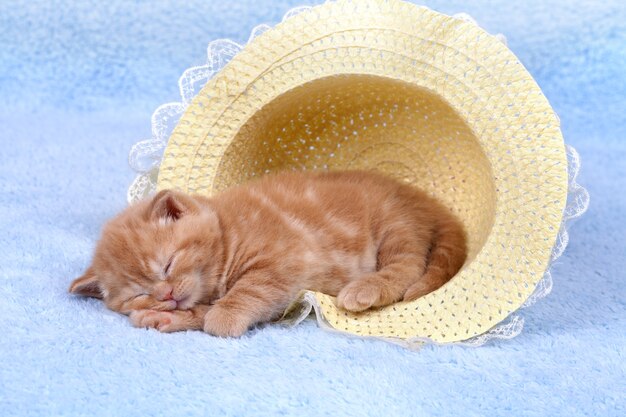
[
  {"x": 88, "y": 285},
  {"x": 171, "y": 205}
]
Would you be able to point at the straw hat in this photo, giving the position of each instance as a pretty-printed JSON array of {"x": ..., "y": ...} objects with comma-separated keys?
[{"x": 429, "y": 99}]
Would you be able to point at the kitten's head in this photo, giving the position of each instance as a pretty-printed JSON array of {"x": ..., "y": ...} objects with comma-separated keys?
[{"x": 160, "y": 254}]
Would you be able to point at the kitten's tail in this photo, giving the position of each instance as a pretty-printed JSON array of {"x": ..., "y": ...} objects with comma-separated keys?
[{"x": 447, "y": 256}]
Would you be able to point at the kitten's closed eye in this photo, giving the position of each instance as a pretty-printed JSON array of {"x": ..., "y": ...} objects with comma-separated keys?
[
  {"x": 167, "y": 268},
  {"x": 136, "y": 296}
]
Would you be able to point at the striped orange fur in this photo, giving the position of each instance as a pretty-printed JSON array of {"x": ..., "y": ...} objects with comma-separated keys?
[{"x": 225, "y": 263}]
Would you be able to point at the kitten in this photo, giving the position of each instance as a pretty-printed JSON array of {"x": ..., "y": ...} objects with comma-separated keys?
[{"x": 223, "y": 264}]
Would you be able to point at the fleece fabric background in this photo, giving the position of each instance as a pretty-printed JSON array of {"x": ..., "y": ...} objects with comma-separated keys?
[{"x": 78, "y": 83}]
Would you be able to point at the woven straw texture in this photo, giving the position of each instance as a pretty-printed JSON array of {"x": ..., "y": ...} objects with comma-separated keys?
[{"x": 426, "y": 98}]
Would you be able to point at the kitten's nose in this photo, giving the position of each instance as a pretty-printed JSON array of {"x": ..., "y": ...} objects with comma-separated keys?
[{"x": 163, "y": 291}]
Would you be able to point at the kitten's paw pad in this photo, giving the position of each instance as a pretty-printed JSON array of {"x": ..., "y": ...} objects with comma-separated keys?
[
  {"x": 223, "y": 323},
  {"x": 160, "y": 320},
  {"x": 359, "y": 296}
]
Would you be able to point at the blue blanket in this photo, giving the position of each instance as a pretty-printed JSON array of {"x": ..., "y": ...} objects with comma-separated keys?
[{"x": 78, "y": 83}]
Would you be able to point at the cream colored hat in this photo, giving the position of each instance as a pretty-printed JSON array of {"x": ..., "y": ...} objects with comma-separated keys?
[{"x": 429, "y": 99}]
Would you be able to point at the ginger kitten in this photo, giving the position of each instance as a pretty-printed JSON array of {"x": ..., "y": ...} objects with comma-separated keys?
[{"x": 222, "y": 264}]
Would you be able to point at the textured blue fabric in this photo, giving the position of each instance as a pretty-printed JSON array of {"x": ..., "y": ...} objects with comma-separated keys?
[{"x": 78, "y": 82}]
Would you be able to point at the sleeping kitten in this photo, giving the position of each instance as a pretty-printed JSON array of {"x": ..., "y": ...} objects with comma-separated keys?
[{"x": 222, "y": 264}]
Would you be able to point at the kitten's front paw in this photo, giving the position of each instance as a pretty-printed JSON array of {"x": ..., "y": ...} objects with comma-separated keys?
[
  {"x": 160, "y": 320},
  {"x": 221, "y": 322},
  {"x": 359, "y": 295}
]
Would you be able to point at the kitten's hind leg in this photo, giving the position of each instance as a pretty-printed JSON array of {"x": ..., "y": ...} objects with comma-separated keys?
[
  {"x": 170, "y": 321},
  {"x": 401, "y": 261}
]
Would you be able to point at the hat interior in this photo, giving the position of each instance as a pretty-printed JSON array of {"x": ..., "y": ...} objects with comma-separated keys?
[{"x": 354, "y": 121}]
